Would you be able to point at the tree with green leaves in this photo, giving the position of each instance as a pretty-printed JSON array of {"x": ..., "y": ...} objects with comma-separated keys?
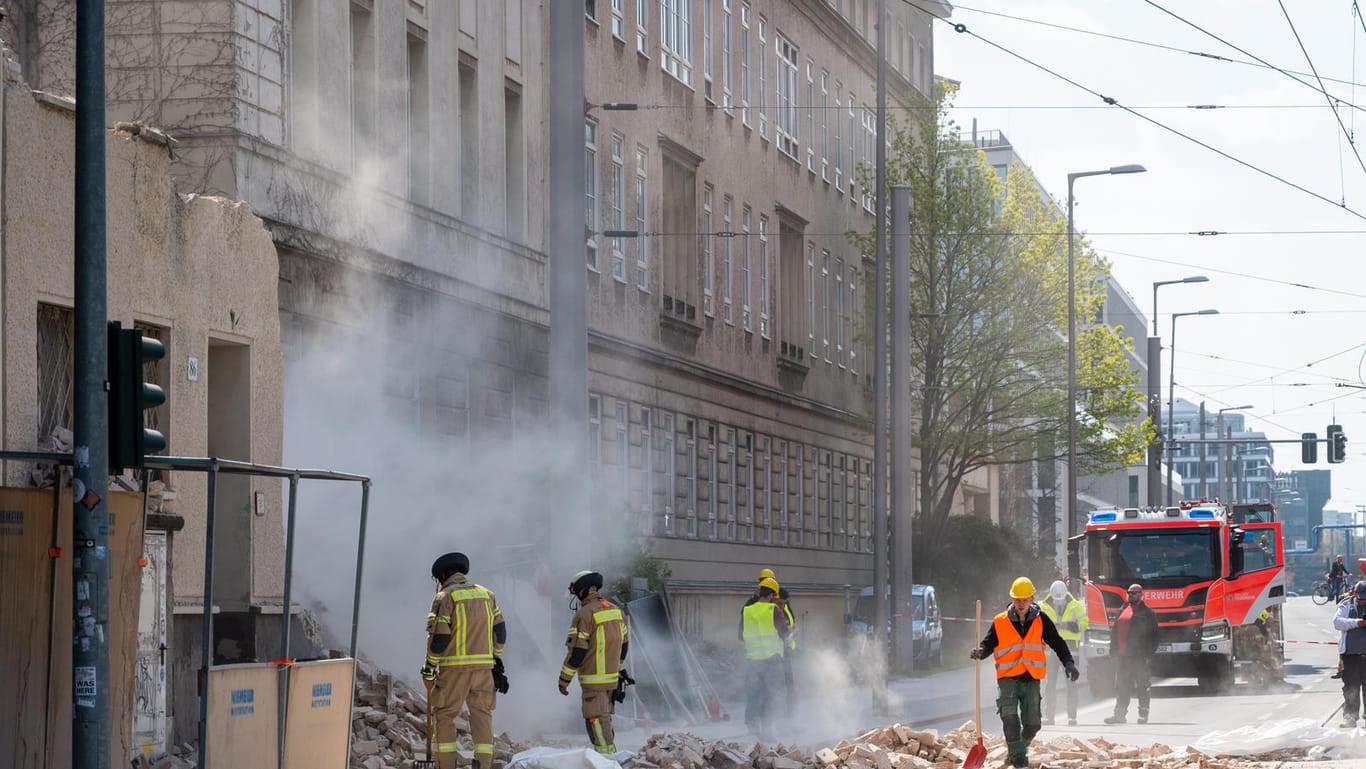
[{"x": 989, "y": 326}]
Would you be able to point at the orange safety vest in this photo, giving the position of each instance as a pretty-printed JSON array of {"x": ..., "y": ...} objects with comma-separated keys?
[{"x": 1016, "y": 655}]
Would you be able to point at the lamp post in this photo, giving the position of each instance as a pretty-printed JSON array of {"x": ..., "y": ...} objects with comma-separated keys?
[
  {"x": 1155, "y": 392},
  {"x": 1132, "y": 168},
  {"x": 1171, "y": 395},
  {"x": 1224, "y": 452}
]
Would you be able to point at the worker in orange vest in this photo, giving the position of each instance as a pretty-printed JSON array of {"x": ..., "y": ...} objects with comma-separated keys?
[{"x": 1016, "y": 642}]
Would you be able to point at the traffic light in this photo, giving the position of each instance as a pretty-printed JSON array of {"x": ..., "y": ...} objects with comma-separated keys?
[
  {"x": 1309, "y": 448},
  {"x": 1337, "y": 444},
  {"x": 129, "y": 396}
]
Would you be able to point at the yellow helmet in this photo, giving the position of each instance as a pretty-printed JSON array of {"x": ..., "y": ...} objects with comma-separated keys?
[
  {"x": 767, "y": 574},
  {"x": 1022, "y": 588},
  {"x": 770, "y": 583}
]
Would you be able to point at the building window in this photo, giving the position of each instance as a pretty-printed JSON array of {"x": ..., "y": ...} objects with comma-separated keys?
[
  {"x": 745, "y": 289},
  {"x": 811, "y": 298},
  {"x": 839, "y": 146},
  {"x": 469, "y": 142},
  {"x": 590, "y": 9},
  {"x": 623, "y": 450},
  {"x": 619, "y": 19},
  {"x": 675, "y": 43},
  {"x": 362, "y": 86},
  {"x": 512, "y": 30},
  {"x": 647, "y": 472},
  {"x": 786, "y": 75},
  {"x": 708, "y": 268},
  {"x": 825, "y": 126},
  {"x": 617, "y": 192},
  {"x": 763, "y": 78},
  {"x": 706, "y": 51},
  {"x": 766, "y": 521},
  {"x": 726, "y": 280},
  {"x": 726, "y": 84},
  {"x": 853, "y": 143},
  {"x": 825, "y": 304},
  {"x": 810, "y": 116},
  {"x": 595, "y": 431},
  {"x": 854, "y": 311},
  {"x": 590, "y": 210},
  {"x": 642, "y": 242},
  {"x": 666, "y": 426},
  {"x": 733, "y": 487},
  {"x": 692, "y": 478},
  {"x": 514, "y": 156},
  {"x": 643, "y": 27},
  {"x": 713, "y": 484},
  {"x": 419, "y": 129},
  {"x": 764, "y": 330},
  {"x": 749, "y": 487},
  {"x": 839, "y": 312},
  {"x": 869, "y": 150},
  {"x": 744, "y": 63},
  {"x": 56, "y": 355}
]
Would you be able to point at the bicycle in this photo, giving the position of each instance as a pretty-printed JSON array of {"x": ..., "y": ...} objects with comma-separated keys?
[{"x": 1322, "y": 593}]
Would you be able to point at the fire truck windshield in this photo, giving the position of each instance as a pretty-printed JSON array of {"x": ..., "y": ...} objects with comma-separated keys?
[{"x": 1167, "y": 557}]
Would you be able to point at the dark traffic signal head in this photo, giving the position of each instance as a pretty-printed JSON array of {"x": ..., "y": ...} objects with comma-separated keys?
[
  {"x": 1337, "y": 444},
  {"x": 1309, "y": 448},
  {"x": 130, "y": 396}
]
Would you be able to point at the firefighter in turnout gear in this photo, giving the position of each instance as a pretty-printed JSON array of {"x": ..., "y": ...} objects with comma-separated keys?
[
  {"x": 1069, "y": 615},
  {"x": 597, "y": 643},
  {"x": 465, "y": 637},
  {"x": 1017, "y": 640},
  {"x": 764, "y": 629}
]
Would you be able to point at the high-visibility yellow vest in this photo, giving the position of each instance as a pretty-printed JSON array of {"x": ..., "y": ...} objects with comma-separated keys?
[
  {"x": 761, "y": 634},
  {"x": 1074, "y": 611},
  {"x": 1015, "y": 654}
]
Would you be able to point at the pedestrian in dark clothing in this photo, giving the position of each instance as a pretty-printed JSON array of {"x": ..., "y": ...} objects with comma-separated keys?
[
  {"x": 1351, "y": 621},
  {"x": 1337, "y": 578},
  {"x": 1133, "y": 642},
  {"x": 1016, "y": 642}
]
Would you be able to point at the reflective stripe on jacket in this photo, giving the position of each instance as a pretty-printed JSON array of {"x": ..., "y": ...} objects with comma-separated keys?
[
  {"x": 761, "y": 633},
  {"x": 791, "y": 628},
  {"x": 1073, "y": 611},
  {"x": 1015, "y": 655}
]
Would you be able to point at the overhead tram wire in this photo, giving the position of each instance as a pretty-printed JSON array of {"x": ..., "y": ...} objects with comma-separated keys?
[
  {"x": 1149, "y": 44},
  {"x": 1186, "y": 264},
  {"x": 1350, "y": 141},
  {"x": 963, "y": 29}
]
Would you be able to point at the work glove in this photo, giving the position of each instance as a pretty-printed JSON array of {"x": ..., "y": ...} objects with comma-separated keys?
[
  {"x": 428, "y": 673},
  {"x": 500, "y": 678},
  {"x": 976, "y": 654},
  {"x": 1072, "y": 672},
  {"x": 564, "y": 687}
]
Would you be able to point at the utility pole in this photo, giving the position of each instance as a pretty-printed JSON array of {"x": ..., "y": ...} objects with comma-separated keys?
[
  {"x": 90, "y": 729},
  {"x": 879, "y": 367}
]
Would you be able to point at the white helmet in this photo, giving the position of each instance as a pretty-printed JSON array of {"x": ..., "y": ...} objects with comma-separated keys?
[{"x": 1057, "y": 591}]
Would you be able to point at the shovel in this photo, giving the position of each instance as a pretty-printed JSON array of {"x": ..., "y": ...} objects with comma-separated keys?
[
  {"x": 978, "y": 754},
  {"x": 427, "y": 762}
]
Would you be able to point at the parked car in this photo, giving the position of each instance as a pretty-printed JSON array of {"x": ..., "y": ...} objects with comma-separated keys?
[{"x": 927, "y": 624}]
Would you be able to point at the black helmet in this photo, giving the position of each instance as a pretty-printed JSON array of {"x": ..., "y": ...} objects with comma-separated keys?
[
  {"x": 584, "y": 580},
  {"x": 449, "y": 564},
  {"x": 1359, "y": 590}
]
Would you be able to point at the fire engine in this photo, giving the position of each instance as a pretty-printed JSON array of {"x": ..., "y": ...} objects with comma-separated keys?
[{"x": 1215, "y": 578}]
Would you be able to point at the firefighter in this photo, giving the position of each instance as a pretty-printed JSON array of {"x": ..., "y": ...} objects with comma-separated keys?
[
  {"x": 764, "y": 630},
  {"x": 1133, "y": 642},
  {"x": 1016, "y": 640},
  {"x": 465, "y": 637},
  {"x": 1351, "y": 621},
  {"x": 596, "y": 647},
  {"x": 1069, "y": 615}
]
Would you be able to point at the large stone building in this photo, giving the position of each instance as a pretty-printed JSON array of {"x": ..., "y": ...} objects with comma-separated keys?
[{"x": 397, "y": 152}]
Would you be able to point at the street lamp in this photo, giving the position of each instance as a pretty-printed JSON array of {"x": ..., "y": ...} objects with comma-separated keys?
[
  {"x": 1171, "y": 395},
  {"x": 1155, "y": 390},
  {"x": 1132, "y": 168},
  {"x": 1224, "y": 453}
]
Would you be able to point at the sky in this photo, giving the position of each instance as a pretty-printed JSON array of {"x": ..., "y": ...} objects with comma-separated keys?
[{"x": 1288, "y": 274}]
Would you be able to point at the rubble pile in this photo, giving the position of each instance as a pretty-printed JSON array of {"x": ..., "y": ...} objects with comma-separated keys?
[
  {"x": 903, "y": 747},
  {"x": 389, "y": 725}
]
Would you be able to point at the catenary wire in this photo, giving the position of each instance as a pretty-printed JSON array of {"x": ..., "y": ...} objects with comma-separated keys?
[{"x": 1336, "y": 115}]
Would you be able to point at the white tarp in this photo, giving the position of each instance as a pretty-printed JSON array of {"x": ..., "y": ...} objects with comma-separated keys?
[
  {"x": 566, "y": 758},
  {"x": 1295, "y": 734}
]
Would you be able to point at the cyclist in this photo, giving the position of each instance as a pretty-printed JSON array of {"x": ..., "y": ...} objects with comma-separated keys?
[{"x": 1337, "y": 578}]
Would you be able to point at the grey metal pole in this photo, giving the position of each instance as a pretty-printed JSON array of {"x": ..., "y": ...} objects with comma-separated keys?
[
  {"x": 903, "y": 578},
  {"x": 56, "y": 542},
  {"x": 1171, "y": 406},
  {"x": 568, "y": 289},
  {"x": 90, "y": 717},
  {"x": 360, "y": 563},
  {"x": 287, "y": 601},
  {"x": 1155, "y": 414},
  {"x": 1219, "y": 465},
  {"x": 206, "y": 628},
  {"x": 1070, "y": 501},
  {"x": 880, "y": 465},
  {"x": 1204, "y": 490}
]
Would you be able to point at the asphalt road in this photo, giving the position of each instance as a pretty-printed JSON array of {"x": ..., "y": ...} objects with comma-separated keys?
[{"x": 831, "y": 708}]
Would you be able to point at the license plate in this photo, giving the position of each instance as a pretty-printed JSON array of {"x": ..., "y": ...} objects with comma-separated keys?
[{"x": 1164, "y": 648}]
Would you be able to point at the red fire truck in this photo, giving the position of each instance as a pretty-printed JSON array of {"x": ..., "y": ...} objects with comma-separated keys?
[{"x": 1214, "y": 577}]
